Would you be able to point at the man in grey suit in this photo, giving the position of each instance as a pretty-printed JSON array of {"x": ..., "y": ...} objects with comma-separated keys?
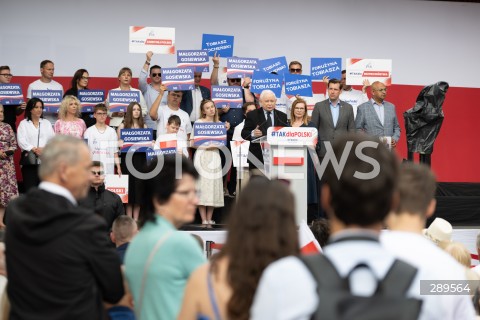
[
  {"x": 377, "y": 117},
  {"x": 332, "y": 117}
]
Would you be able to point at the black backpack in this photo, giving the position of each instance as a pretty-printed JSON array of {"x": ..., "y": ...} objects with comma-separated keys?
[{"x": 388, "y": 302}]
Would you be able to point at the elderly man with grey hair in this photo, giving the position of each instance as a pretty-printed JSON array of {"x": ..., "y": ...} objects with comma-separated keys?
[
  {"x": 59, "y": 262},
  {"x": 257, "y": 124}
]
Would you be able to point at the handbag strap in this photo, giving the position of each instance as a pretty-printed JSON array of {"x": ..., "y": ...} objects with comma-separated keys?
[
  {"x": 38, "y": 138},
  {"x": 157, "y": 246}
]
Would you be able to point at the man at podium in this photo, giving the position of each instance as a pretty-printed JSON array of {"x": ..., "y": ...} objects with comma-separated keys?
[{"x": 256, "y": 125}]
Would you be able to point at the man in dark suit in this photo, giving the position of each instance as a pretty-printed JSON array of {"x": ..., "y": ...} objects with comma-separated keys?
[
  {"x": 60, "y": 265},
  {"x": 191, "y": 99},
  {"x": 257, "y": 123},
  {"x": 332, "y": 117}
]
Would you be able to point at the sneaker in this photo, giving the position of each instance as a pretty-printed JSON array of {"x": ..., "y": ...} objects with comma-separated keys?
[
  {"x": 205, "y": 222},
  {"x": 211, "y": 222}
]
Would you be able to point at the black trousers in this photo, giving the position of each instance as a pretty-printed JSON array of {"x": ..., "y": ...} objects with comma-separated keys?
[{"x": 30, "y": 177}]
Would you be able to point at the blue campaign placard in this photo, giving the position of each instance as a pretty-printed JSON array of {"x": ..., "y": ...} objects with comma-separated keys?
[
  {"x": 11, "y": 94},
  {"x": 227, "y": 96},
  {"x": 241, "y": 67},
  {"x": 137, "y": 140},
  {"x": 216, "y": 43},
  {"x": 298, "y": 84},
  {"x": 210, "y": 133},
  {"x": 118, "y": 100},
  {"x": 330, "y": 67},
  {"x": 278, "y": 65},
  {"x": 178, "y": 79},
  {"x": 197, "y": 59},
  {"x": 266, "y": 81},
  {"x": 90, "y": 98},
  {"x": 51, "y": 99}
]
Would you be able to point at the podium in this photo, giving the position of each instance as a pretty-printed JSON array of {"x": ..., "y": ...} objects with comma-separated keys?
[{"x": 285, "y": 156}]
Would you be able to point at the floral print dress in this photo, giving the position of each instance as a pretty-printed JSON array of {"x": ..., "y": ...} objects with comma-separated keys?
[{"x": 8, "y": 179}]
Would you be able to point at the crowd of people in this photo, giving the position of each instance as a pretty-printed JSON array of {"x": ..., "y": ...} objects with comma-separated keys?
[{"x": 75, "y": 251}]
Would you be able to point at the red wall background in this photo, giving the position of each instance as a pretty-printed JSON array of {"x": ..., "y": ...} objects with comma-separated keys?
[{"x": 456, "y": 150}]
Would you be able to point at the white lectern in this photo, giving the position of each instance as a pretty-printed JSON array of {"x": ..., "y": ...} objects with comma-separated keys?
[{"x": 285, "y": 156}]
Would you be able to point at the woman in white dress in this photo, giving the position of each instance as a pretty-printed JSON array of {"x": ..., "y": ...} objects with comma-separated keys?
[{"x": 209, "y": 165}]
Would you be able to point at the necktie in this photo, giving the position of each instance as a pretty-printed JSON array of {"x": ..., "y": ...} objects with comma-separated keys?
[{"x": 269, "y": 119}]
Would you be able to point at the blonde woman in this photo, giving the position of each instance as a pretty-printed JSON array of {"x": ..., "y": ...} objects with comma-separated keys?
[{"x": 69, "y": 121}]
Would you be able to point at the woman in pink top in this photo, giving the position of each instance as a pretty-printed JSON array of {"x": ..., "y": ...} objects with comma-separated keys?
[{"x": 69, "y": 121}]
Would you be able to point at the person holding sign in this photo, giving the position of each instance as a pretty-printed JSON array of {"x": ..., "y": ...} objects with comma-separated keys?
[
  {"x": 173, "y": 125},
  {"x": 124, "y": 79},
  {"x": 46, "y": 82},
  {"x": 33, "y": 134},
  {"x": 80, "y": 82},
  {"x": 377, "y": 117},
  {"x": 11, "y": 111},
  {"x": 69, "y": 122},
  {"x": 161, "y": 113},
  {"x": 256, "y": 125},
  {"x": 151, "y": 90},
  {"x": 133, "y": 120},
  {"x": 103, "y": 141},
  {"x": 208, "y": 162}
]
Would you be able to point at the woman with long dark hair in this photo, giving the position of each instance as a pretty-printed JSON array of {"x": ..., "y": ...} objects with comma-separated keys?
[
  {"x": 133, "y": 120},
  {"x": 80, "y": 81},
  {"x": 160, "y": 258},
  {"x": 33, "y": 134},
  {"x": 261, "y": 229}
]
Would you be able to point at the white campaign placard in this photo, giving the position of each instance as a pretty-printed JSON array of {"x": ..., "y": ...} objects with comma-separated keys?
[
  {"x": 240, "y": 153},
  {"x": 155, "y": 39},
  {"x": 372, "y": 70},
  {"x": 118, "y": 185}
]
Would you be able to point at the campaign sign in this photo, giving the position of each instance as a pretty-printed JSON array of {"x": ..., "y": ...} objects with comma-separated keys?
[
  {"x": 178, "y": 79},
  {"x": 118, "y": 185},
  {"x": 298, "y": 84},
  {"x": 359, "y": 70},
  {"x": 330, "y": 67},
  {"x": 209, "y": 133},
  {"x": 227, "y": 96},
  {"x": 278, "y": 65},
  {"x": 90, "y": 98},
  {"x": 136, "y": 140},
  {"x": 241, "y": 67},
  {"x": 10, "y": 94},
  {"x": 155, "y": 39},
  {"x": 165, "y": 144},
  {"x": 118, "y": 100},
  {"x": 216, "y": 43},
  {"x": 240, "y": 153},
  {"x": 51, "y": 99},
  {"x": 292, "y": 136},
  {"x": 197, "y": 59},
  {"x": 266, "y": 81}
]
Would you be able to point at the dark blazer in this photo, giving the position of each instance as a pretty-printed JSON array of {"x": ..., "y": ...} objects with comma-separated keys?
[
  {"x": 257, "y": 118},
  {"x": 187, "y": 99},
  {"x": 60, "y": 265},
  {"x": 323, "y": 121}
]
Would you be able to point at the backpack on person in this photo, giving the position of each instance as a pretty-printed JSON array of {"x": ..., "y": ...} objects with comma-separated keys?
[{"x": 388, "y": 302}]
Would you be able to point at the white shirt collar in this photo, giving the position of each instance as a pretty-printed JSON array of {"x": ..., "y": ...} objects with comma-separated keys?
[{"x": 58, "y": 190}]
